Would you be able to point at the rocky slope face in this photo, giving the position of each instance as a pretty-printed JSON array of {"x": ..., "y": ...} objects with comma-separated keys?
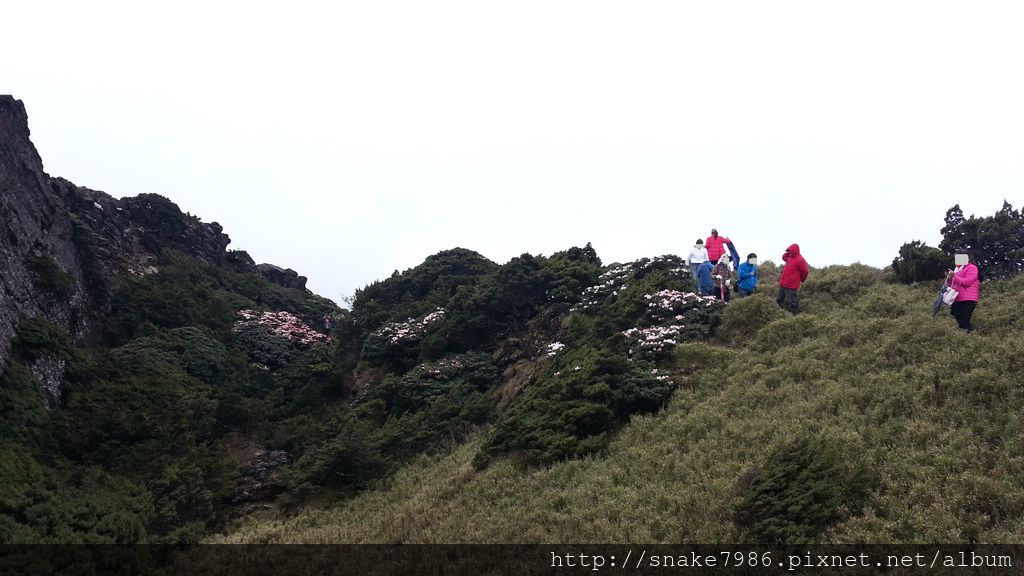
[{"x": 63, "y": 248}]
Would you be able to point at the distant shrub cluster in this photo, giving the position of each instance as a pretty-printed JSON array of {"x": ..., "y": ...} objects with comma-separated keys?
[
  {"x": 996, "y": 243},
  {"x": 137, "y": 450},
  {"x": 429, "y": 407},
  {"x": 919, "y": 262},
  {"x": 605, "y": 370},
  {"x": 575, "y": 411},
  {"x": 457, "y": 301}
]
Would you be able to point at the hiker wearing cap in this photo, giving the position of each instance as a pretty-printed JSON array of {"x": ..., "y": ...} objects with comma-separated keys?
[
  {"x": 747, "y": 276},
  {"x": 716, "y": 245},
  {"x": 698, "y": 255},
  {"x": 964, "y": 279},
  {"x": 794, "y": 273}
]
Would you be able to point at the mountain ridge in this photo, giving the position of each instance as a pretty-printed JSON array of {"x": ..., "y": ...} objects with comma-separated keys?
[{"x": 158, "y": 387}]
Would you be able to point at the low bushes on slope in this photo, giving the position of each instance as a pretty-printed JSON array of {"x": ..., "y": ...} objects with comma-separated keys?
[
  {"x": 912, "y": 426},
  {"x": 607, "y": 370},
  {"x": 803, "y": 488},
  {"x": 742, "y": 318}
]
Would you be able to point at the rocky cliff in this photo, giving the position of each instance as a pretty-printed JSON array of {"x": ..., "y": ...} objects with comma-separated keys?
[{"x": 64, "y": 248}]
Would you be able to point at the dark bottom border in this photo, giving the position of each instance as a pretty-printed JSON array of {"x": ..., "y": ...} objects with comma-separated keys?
[{"x": 300, "y": 560}]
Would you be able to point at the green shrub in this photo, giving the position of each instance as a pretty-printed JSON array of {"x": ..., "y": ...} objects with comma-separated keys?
[
  {"x": 348, "y": 458},
  {"x": 49, "y": 277},
  {"x": 23, "y": 414},
  {"x": 418, "y": 290},
  {"x": 263, "y": 347},
  {"x": 418, "y": 387},
  {"x": 838, "y": 285},
  {"x": 183, "y": 293},
  {"x": 574, "y": 411},
  {"x": 693, "y": 356},
  {"x": 194, "y": 349},
  {"x": 919, "y": 262},
  {"x": 803, "y": 488},
  {"x": 743, "y": 317},
  {"x": 890, "y": 301},
  {"x": 786, "y": 332},
  {"x": 309, "y": 379},
  {"x": 37, "y": 337},
  {"x": 479, "y": 315},
  {"x": 572, "y": 271},
  {"x": 435, "y": 403},
  {"x": 44, "y": 505}
]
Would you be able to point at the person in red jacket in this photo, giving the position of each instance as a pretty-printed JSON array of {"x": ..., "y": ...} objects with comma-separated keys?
[
  {"x": 794, "y": 273},
  {"x": 716, "y": 245}
]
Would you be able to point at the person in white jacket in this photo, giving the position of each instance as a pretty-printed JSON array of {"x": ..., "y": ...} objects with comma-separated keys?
[{"x": 698, "y": 256}]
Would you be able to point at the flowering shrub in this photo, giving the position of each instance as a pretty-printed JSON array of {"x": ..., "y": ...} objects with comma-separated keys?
[
  {"x": 616, "y": 280},
  {"x": 398, "y": 343},
  {"x": 283, "y": 324},
  {"x": 661, "y": 377},
  {"x": 672, "y": 317},
  {"x": 411, "y": 330},
  {"x": 554, "y": 347},
  {"x": 273, "y": 339}
]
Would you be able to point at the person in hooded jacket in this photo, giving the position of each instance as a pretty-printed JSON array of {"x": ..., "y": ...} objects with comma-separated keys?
[
  {"x": 705, "y": 283},
  {"x": 747, "y": 276},
  {"x": 722, "y": 278},
  {"x": 964, "y": 279},
  {"x": 794, "y": 273},
  {"x": 716, "y": 245}
]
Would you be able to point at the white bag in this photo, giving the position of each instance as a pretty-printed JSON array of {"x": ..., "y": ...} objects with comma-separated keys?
[{"x": 949, "y": 296}]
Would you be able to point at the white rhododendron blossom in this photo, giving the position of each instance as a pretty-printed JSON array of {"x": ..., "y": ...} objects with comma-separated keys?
[
  {"x": 667, "y": 300},
  {"x": 660, "y": 376},
  {"x": 554, "y": 348},
  {"x": 283, "y": 324},
  {"x": 410, "y": 330},
  {"x": 655, "y": 338}
]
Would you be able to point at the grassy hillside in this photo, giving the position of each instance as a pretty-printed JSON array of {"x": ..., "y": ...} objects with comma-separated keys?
[{"x": 860, "y": 420}]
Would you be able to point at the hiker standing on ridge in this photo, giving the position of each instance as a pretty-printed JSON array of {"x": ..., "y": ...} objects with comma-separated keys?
[
  {"x": 964, "y": 279},
  {"x": 698, "y": 256},
  {"x": 794, "y": 273},
  {"x": 328, "y": 324},
  {"x": 747, "y": 276},
  {"x": 722, "y": 276},
  {"x": 716, "y": 245},
  {"x": 705, "y": 283}
]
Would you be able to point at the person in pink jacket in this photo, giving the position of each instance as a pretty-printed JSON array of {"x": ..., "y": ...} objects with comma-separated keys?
[{"x": 964, "y": 279}]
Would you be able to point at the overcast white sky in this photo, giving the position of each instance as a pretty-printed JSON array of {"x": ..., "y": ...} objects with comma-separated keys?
[{"x": 350, "y": 139}]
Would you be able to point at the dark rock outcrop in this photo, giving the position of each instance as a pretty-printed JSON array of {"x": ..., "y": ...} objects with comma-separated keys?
[
  {"x": 282, "y": 276},
  {"x": 259, "y": 480},
  {"x": 64, "y": 248}
]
